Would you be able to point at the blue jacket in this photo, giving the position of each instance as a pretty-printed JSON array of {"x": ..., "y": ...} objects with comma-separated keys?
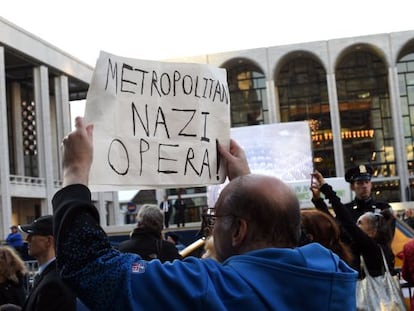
[
  {"x": 306, "y": 278},
  {"x": 14, "y": 239}
]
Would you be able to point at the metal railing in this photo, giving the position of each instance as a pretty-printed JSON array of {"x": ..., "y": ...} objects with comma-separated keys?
[{"x": 27, "y": 180}]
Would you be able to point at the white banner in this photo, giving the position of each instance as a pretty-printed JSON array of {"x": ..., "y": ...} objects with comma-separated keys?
[
  {"x": 304, "y": 195},
  {"x": 156, "y": 124},
  {"x": 282, "y": 150}
]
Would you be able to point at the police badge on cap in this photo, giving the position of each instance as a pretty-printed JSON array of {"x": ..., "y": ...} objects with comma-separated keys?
[{"x": 361, "y": 172}]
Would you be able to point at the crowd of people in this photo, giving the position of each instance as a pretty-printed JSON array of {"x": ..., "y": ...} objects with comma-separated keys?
[
  {"x": 256, "y": 232},
  {"x": 261, "y": 250},
  {"x": 367, "y": 225},
  {"x": 47, "y": 290}
]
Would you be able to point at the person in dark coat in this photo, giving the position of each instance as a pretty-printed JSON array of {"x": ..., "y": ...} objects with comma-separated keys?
[
  {"x": 12, "y": 277},
  {"x": 359, "y": 178},
  {"x": 175, "y": 239},
  {"x": 370, "y": 233},
  {"x": 48, "y": 292},
  {"x": 146, "y": 239},
  {"x": 179, "y": 206},
  {"x": 256, "y": 231}
]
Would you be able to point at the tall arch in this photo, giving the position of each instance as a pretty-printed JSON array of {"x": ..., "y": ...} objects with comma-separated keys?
[
  {"x": 303, "y": 95},
  {"x": 405, "y": 68},
  {"x": 365, "y": 115},
  {"x": 247, "y": 87}
]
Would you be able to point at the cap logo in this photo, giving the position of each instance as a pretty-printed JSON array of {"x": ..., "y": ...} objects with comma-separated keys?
[
  {"x": 138, "y": 267},
  {"x": 362, "y": 169}
]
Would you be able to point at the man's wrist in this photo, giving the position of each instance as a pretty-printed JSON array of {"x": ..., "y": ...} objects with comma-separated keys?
[{"x": 75, "y": 176}]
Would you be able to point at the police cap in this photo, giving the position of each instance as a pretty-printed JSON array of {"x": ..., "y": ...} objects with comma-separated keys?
[{"x": 360, "y": 172}]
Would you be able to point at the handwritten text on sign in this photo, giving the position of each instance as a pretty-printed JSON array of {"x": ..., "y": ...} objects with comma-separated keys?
[{"x": 156, "y": 123}]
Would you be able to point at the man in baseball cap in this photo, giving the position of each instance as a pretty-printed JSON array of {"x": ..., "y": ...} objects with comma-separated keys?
[
  {"x": 41, "y": 226},
  {"x": 41, "y": 246}
]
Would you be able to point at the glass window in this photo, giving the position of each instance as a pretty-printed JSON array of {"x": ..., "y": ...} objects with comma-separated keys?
[
  {"x": 247, "y": 88},
  {"x": 29, "y": 131},
  {"x": 411, "y": 198},
  {"x": 301, "y": 85},
  {"x": 406, "y": 79},
  {"x": 10, "y": 129},
  {"x": 195, "y": 199},
  {"x": 410, "y": 94},
  {"x": 365, "y": 112},
  {"x": 191, "y": 190},
  {"x": 387, "y": 191},
  {"x": 402, "y": 67}
]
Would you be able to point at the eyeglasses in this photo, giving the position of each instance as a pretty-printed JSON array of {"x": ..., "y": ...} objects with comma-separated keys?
[{"x": 211, "y": 217}]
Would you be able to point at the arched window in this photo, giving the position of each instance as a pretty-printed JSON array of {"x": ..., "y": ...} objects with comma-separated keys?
[
  {"x": 367, "y": 133},
  {"x": 247, "y": 88},
  {"x": 405, "y": 68},
  {"x": 365, "y": 116},
  {"x": 302, "y": 88}
]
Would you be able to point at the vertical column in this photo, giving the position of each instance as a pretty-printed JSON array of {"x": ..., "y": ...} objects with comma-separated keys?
[
  {"x": 159, "y": 195},
  {"x": 102, "y": 209},
  {"x": 400, "y": 152},
  {"x": 16, "y": 103},
  {"x": 336, "y": 124},
  {"x": 115, "y": 208},
  {"x": 273, "y": 101},
  {"x": 6, "y": 206},
  {"x": 110, "y": 208},
  {"x": 41, "y": 88},
  {"x": 62, "y": 115}
]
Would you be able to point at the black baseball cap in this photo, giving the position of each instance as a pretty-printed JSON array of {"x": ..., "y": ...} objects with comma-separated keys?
[
  {"x": 360, "y": 172},
  {"x": 41, "y": 226}
]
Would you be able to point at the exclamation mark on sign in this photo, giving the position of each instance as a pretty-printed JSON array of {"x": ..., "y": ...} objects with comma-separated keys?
[{"x": 218, "y": 159}]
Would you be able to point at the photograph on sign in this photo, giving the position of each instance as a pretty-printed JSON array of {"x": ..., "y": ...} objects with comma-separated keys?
[{"x": 282, "y": 150}]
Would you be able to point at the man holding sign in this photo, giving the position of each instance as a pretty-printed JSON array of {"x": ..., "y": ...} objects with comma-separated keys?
[{"x": 257, "y": 227}]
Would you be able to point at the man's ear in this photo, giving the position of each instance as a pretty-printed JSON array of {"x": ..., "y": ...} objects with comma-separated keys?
[
  {"x": 51, "y": 240},
  {"x": 240, "y": 232}
]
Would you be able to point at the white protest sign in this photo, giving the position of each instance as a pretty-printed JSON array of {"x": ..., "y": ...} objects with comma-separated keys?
[
  {"x": 156, "y": 124},
  {"x": 282, "y": 150},
  {"x": 304, "y": 195}
]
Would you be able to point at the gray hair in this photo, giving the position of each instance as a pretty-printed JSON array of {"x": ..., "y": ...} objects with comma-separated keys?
[{"x": 151, "y": 217}]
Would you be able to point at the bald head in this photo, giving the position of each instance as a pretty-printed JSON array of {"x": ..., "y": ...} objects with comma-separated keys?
[{"x": 269, "y": 207}]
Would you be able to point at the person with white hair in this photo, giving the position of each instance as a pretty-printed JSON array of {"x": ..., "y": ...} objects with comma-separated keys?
[{"x": 146, "y": 239}]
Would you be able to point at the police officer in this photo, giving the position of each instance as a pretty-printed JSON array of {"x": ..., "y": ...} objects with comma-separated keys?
[{"x": 359, "y": 178}]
